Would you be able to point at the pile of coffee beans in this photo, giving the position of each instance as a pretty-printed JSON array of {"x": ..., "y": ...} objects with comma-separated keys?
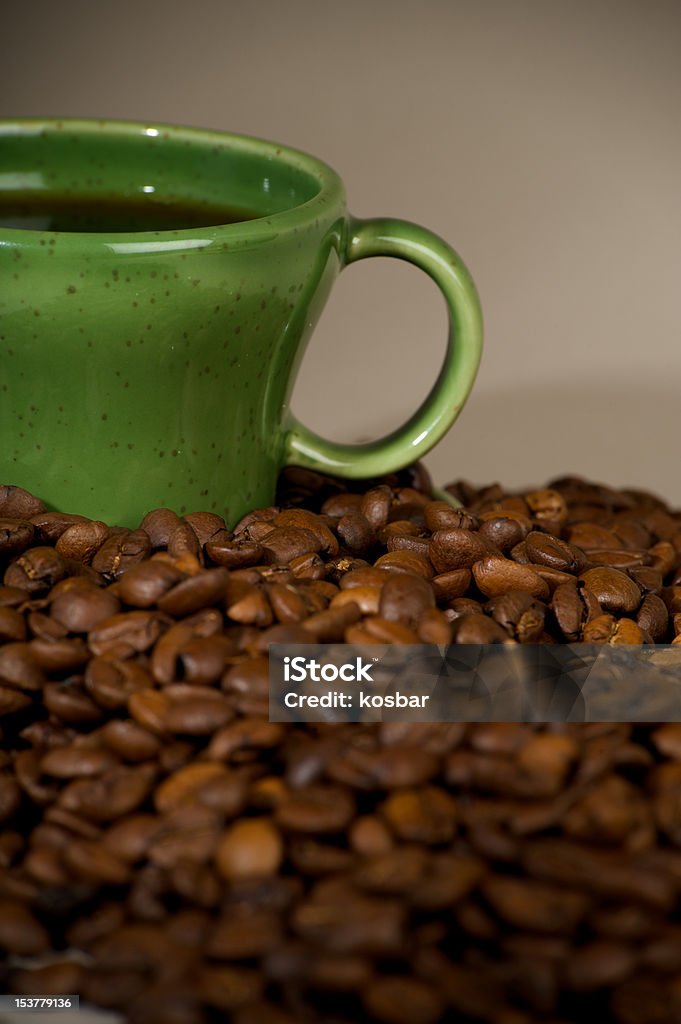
[{"x": 169, "y": 853}]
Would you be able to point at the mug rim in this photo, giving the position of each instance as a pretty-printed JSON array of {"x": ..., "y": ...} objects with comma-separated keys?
[{"x": 330, "y": 194}]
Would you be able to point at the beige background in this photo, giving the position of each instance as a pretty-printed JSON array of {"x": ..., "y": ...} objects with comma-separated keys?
[{"x": 541, "y": 138}]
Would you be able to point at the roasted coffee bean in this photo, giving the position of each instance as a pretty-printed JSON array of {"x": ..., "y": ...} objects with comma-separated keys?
[
  {"x": 251, "y": 848},
  {"x": 299, "y": 517},
  {"x": 128, "y": 740},
  {"x": 16, "y": 503},
  {"x": 400, "y": 1000},
  {"x": 495, "y": 576},
  {"x": 423, "y": 816},
  {"x": 343, "y": 922},
  {"x": 121, "y": 552},
  {"x": 205, "y": 525},
  {"x": 234, "y": 553},
  {"x": 201, "y": 591},
  {"x": 375, "y": 505},
  {"x": 439, "y": 515},
  {"x": 653, "y": 617},
  {"x": 406, "y": 561},
  {"x": 59, "y": 978},
  {"x": 535, "y": 906},
  {"x": 157, "y": 822},
  {"x": 12, "y": 597},
  {"x": 476, "y": 628},
  {"x": 250, "y": 608},
  {"x": 520, "y": 615},
  {"x": 93, "y": 862},
  {"x": 19, "y": 667},
  {"x": 548, "y": 508},
  {"x": 504, "y": 531},
  {"x": 363, "y": 577},
  {"x": 316, "y": 810},
  {"x": 282, "y": 543},
  {"x": 183, "y": 542},
  {"x": 390, "y": 768},
  {"x": 457, "y": 549},
  {"x": 165, "y": 659},
  {"x": 36, "y": 570},
  {"x": 49, "y": 526},
  {"x": 450, "y": 585},
  {"x": 142, "y": 585},
  {"x": 78, "y": 760},
  {"x": 159, "y": 525},
  {"x": 463, "y": 606},
  {"x": 10, "y": 797},
  {"x": 82, "y": 608},
  {"x": 433, "y": 627},
  {"x": 258, "y": 515},
  {"x": 621, "y": 558},
  {"x": 21, "y": 934},
  {"x": 404, "y": 598},
  {"x": 110, "y": 796},
  {"x": 543, "y": 549},
  {"x": 615, "y": 591},
  {"x": 356, "y": 533},
  {"x": 123, "y": 634},
  {"x": 329, "y": 626},
  {"x": 197, "y": 714},
  {"x": 82, "y": 540},
  {"x": 367, "y": 598},
  {"x": 370, "y": 837},
  {"x": 111, "y": 682},
  {"x": 15, "y": 536},
  {"x": 404, "y": 541},
  {"x": 59, "y": 656},
  {"x": 378, "y": 630}
]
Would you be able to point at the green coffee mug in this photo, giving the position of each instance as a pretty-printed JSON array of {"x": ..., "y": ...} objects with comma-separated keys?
[{"x": 159, "y": 286}]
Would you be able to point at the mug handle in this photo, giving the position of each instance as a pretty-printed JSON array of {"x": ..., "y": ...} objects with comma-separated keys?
[{"x": 431, "y": 421}]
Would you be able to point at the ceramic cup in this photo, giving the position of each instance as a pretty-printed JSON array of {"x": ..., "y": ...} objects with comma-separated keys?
[{"x": 141, "y": 368}]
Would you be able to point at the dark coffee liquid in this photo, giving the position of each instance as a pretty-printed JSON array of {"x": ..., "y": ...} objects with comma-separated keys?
[{"x": 111, "y": 213}]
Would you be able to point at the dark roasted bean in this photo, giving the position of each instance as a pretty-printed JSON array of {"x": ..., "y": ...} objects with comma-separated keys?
[
  {"x": 122, "y": 634},
  {"x": 505, "y": 530},
  {"x": 520, "y": 615},
  {"x": 20, "y": 668},
  {"x": 237, "y": 553},
  {"x": 251, "y": 848},
  {"x": 81, "y": 608},
  {"x": 653, "y": 617},
  {"x": 121, "y": 552},
  {"x": 190, "y": 595},
  {"x": 16, "y": 503},
  {"x": 159, "y": 525},
  {"x": 82, "y": 540},
  {"x": 15, "y": 536},
  {"x": 111, "y": 682},
  {"x": 375, "y": 505},
  {"x": 543, "y": 549},
  {"x": 457, "y": 549},
  {"x": 36, "y": 570},
  {"x": 406, "y": 561},
  {"x": 476, "y": 628},
  {"x": 495, "y": 576},
  {"x": 206, "y": 860},
  {"x": 614, "y": 590},
  {"x": 128, "y": 740},
  {"x": 357, "y": 534},
  {"x": 20, "y": 932},
  {"x": 183, "y": 541}
]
